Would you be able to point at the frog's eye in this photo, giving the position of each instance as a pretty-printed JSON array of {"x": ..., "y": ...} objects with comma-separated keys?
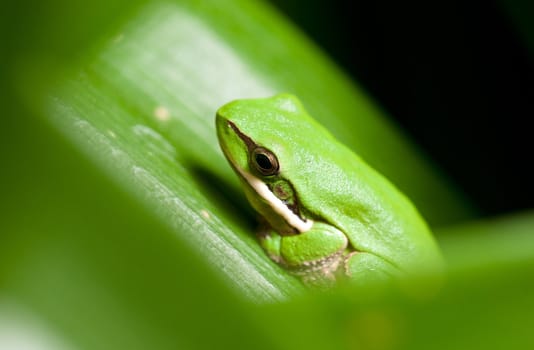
[{"x": 265, "y": 161}]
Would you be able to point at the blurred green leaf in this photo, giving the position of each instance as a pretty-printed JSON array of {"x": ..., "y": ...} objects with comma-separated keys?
[
  {"x": 476, "y": 311},
  {"x": 123, "y": 226},
  {"x": 490, "y": 244},
  {"x": 520, "y": 13},
  {"x": 142, "y": 109}
]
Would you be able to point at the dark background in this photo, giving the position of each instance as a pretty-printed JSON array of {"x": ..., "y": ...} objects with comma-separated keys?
[{"x": 456, "y": 75}]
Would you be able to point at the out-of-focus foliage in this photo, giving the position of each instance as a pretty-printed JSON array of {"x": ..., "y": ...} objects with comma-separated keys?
[
  {"x": 122, "y": 226},
  {"x": 484, "y": 246},
  {"x": 521, "y": 13}
]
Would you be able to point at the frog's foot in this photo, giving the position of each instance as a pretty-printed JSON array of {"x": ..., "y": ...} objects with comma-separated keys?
[
  {"x": 270, "y": 242},
  {"x": 314, "y": 256},
  {"x": 364, "y": 268},
  {"x": 320, "y": 273}
]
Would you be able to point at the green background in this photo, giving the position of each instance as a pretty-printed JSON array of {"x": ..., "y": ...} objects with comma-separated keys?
[{"x": 122, "y": 226}]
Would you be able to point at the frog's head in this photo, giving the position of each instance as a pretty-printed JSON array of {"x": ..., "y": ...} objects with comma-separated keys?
[
  {"x": 244, "y": 126},
  {"x": 258, "y": 137}
]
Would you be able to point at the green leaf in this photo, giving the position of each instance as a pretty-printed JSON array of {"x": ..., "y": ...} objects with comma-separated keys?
[
  {"x": 490, "y": 244},
  {"x": 122, "y": 224},
  {"x": 143, "y": 109}
]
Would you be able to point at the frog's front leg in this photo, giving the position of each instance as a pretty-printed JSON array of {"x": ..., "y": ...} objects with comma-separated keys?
[{"x": 314, "y": 255}]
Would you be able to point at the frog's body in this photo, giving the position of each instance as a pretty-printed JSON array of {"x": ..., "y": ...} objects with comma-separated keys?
[{"x": 327, "y": 212}]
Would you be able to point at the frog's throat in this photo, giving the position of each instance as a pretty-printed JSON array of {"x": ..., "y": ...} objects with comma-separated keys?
[{"x": 279, "y": 207}]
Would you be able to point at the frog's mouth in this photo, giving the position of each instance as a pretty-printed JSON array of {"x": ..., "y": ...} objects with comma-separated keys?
[{"x": 278, "y": 206}]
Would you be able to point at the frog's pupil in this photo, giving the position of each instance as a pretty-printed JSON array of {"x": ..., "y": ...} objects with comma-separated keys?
[{"x": 263, "y": 161}]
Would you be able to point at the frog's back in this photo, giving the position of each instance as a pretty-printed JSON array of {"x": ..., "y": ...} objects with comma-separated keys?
[
  {"x": 336, "y": 185},
  {"x": 374, "y": 214}
]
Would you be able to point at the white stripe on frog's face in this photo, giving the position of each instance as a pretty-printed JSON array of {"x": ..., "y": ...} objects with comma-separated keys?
[{"x": 276, "y": 204}]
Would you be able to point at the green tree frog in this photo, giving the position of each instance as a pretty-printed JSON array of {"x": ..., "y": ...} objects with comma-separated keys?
[{"x": 327, "y": 215}]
